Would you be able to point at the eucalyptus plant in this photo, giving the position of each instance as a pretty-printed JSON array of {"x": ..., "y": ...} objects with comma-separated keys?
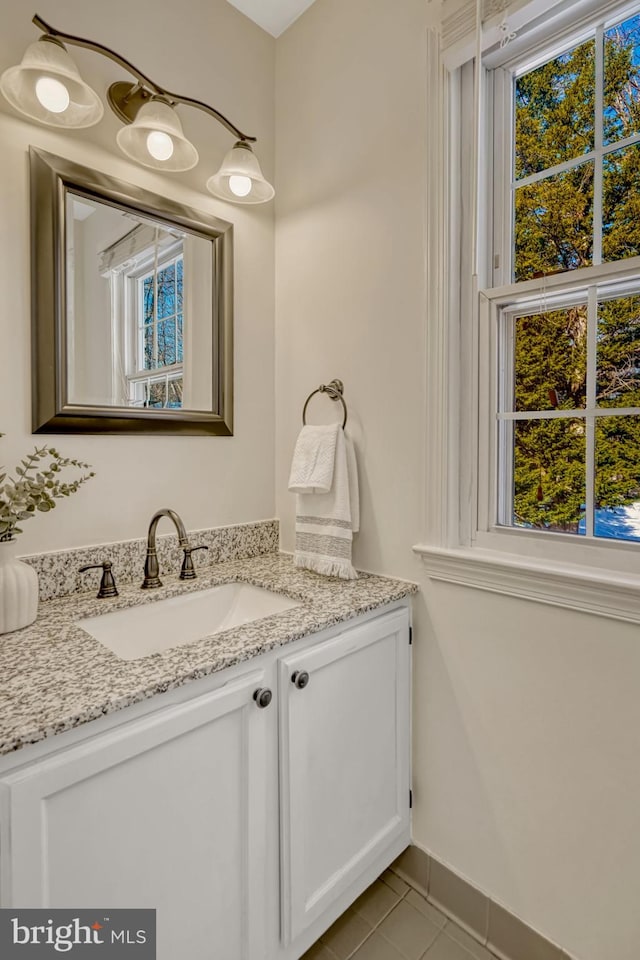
[{"x": 36, "y": 487}]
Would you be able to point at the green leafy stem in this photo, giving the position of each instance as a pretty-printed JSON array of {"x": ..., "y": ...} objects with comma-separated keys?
[{"x": 36, "y": 487}]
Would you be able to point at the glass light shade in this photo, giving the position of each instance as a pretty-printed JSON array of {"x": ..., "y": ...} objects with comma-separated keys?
[
  {"x": 239, "y": 165},
  {"x": 136, "y": 141},
  {"x": 26, "y": 89}
]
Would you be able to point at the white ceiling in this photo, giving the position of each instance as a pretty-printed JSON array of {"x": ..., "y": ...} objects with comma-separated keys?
[{"x": 274, "y": 16}]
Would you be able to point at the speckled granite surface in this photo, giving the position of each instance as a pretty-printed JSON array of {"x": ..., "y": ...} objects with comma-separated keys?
[
  {"x": 58, "y": 572},
  {"x": 54, "y": 676}
]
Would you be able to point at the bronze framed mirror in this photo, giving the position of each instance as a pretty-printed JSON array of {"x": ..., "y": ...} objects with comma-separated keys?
[{"x": 132, "y": 308}]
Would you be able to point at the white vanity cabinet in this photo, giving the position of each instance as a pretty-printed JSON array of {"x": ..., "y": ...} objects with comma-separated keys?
[
  {"x": 164, "y": 812},
  {"x": 344, "y": 763},
  {"x": 248, "y": 828}
]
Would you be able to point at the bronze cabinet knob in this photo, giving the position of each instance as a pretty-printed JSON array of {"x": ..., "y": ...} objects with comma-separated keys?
[{"x": 263, "y": 697}]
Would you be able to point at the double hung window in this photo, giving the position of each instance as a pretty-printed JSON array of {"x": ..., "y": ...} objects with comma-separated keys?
[
  {"x": 560, "y": 312},
  {"x": 145, "y": 269}
]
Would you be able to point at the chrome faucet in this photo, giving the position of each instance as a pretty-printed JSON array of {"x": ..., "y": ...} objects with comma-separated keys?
[{"x": 151, "y": 568}]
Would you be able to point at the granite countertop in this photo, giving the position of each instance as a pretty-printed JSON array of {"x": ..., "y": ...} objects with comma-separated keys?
[{"x": 55, "y": 676}]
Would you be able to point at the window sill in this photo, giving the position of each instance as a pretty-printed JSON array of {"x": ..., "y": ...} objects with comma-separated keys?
[{"x": 587, "y": 590}]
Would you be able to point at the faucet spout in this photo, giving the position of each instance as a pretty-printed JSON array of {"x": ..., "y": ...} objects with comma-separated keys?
[{"x": 151, "y": 567}]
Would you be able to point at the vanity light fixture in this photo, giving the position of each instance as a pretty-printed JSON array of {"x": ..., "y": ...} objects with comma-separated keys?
[
  {"x": 155, "y": 138},
  {"x": 47, "y": 87}
]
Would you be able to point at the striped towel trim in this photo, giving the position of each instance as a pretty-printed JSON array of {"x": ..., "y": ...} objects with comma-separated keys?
[{"x": 328, "y": 546}]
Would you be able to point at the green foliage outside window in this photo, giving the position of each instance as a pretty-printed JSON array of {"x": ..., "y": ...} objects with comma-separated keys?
[{"x": 554, "y": 232}]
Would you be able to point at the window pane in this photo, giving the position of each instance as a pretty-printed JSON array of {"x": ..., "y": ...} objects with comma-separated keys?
[
  {"x": 180, "y": 339},
  {"x": 147, "y": 297},
  {"x": 148, "y": 348},
  {"x": 549, "y": 474},
  {"x": 166, "y": 343},
  {"x": 175, "y": 393},
  {"x": 622, "y": 80},
  {"x": 555, "y": 111},
  {"x": 550, "y": 360},
  {"x": 621, "y": 204},
  {"x": 618, "y": 353},
  {"x": 554, "y": 223},
  {"x": 156, "y": 394},
  {"x": 166, "y": 292},
  {"x": 617, "y": 488},
  {"x": 179, "y": 284}
]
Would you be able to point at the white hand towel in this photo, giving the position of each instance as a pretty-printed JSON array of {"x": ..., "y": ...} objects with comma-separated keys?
[
  {"x": 354, "y": 495},
  {"x": 313, "y": 459},
  {"x": 324, "y": 521}
]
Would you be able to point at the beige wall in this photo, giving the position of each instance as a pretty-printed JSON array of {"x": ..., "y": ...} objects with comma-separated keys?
[
  {"x": 351, "y": 146},
  {"x": 526, "y": 760},
  {"x": 526, "y": 717},
  {"x": 90, "y": 377},
  {"x": 219, "y": 56}
]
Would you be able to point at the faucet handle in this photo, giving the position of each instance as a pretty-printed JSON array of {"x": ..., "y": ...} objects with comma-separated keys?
[
  {"x": 107, "y": 583},
  {"x": 188, "y": 571}
]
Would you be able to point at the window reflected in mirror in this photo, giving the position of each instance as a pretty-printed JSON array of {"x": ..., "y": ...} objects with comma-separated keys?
[{"x": 139, "y": 296}]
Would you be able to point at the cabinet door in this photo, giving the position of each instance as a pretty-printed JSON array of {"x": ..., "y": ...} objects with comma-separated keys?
[
  {"x": 165, "y": 812},
  {"x": 344, "y": 763}
]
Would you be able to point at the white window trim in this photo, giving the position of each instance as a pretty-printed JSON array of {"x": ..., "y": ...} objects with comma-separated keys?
[{"x": 607, "y": 581}]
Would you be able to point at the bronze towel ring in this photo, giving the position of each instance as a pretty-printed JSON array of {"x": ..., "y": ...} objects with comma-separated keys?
[{"x": 334, "y": 391}]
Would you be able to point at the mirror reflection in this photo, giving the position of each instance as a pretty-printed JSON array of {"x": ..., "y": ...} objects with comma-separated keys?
[
  {"x": 139, "y": 327},
  {"x": 132, "y": 307}
]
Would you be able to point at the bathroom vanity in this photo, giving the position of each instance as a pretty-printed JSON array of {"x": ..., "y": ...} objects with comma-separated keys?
[{"x": 252, "y": 803}]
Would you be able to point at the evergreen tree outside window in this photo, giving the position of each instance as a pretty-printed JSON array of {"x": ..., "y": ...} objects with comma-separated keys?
[{"x": 568, "y": 381}]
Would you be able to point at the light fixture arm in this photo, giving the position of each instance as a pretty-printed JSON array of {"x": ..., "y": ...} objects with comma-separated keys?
[
  {"x": 200, "y": 105},
  {"x": 142, "y": 79}
]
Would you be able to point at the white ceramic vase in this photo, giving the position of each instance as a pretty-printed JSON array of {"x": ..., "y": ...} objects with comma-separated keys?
[{"x": 18, "y": 589}]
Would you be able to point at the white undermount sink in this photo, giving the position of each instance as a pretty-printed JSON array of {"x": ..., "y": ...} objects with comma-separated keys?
[{"x": 139, "y": 631}]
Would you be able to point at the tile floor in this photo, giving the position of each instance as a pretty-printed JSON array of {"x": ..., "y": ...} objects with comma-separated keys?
[{"x": 391, "y": 921}]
